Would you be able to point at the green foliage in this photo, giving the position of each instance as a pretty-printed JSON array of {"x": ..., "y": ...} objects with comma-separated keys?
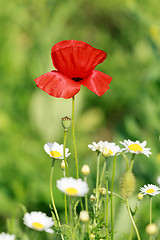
[{"x": 129, "y": 31}]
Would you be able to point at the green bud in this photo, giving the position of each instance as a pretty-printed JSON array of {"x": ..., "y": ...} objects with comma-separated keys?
[
  {"x": 127, "y": 184},
  {"x": 66, "y": 122}
]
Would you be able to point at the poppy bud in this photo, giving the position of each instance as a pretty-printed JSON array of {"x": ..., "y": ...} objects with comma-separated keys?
[
  {"x": 151, "y": 229},
  {"x": 127, "y": 184},
  {"x": 84, "y": 216},
  {"x": 66, "y": 122},
  {"x": 85, "y": 170}
]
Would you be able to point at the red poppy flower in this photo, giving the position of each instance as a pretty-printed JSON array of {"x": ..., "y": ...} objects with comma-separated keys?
[{"x": 75, "y": 62}]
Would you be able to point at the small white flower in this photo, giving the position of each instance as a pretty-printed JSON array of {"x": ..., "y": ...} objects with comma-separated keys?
[
  {"x": 151, "y": 190},
  {"x": 6, "y": 236},
  {"x": 38, "y": 221},
  {"x": 55, "y": 150},
  {"x": 97, "y": 146},
  {"x": 72, "y": 187},
  {"x": 158, "y": 180},
  {"x": 136, "y": 147},
  {"x": 110, "y": 149}
]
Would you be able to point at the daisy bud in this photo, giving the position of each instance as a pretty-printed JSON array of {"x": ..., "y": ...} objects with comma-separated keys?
[
  {"x": 102, "y": 191},
  {"x": 151, "y": 229},
  {"x": 92, "y": 198},
  {"x": 140, "y": 196},
  {"x": 66, "y": 122},
  {"x": 92, "y": 236},
  {"x": 127, "y": 184},
  {"x": 63, "y": 164},
  {"x": 84, "y": 216},
  {"x": 85, "y": 170}
]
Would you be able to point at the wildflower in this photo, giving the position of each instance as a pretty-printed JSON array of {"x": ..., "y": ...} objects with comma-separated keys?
[
  {"x": 6, "y": 236},
  {"x": 75, "y": 62},
  {"x": 84, "y": 216},
  {"x": 55, "y": 150},
  {"x": 38, "y": 221},
  {"x": 110, "y": 149},
  {"x": 72, "y": 187},
  {"x": 136, "y": 147},
  {"x": 98, "y": 147},
  {"x": 151, "y": 190},
  {"x": 151, "y": 229},
  {"x": 85, "y": 170}
]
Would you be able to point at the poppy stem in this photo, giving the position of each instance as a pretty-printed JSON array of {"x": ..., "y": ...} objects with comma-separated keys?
[
  {"x": 64, "y": 153},
  {"x": 74, "y": 140}
]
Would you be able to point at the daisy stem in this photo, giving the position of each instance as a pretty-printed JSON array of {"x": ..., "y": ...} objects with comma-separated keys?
[
  {"x": 132, "y": 220},
  {"x": 52, "y": 199},
  {"x": 112, "y": 185},
  {"x": 132, "y": 162},
  {"x": 150, "y": 217},
  {"x": 106, "y": 200},
  {"x": 64, "y": 153},
  {"x": 86, "y": 200},
  {"x": 97, "y": 182},
  {"x": 126, "y": 159},
  {"x": 70, "y": 211},
  {"x": 74, "y": 140},
  {"x": 150, "y": 210}
]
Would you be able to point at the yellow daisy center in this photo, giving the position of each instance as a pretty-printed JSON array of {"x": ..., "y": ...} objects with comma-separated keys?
[
  {"x": 135, "y": 147},
  {"x": 150, "y": 191},
  {"x": 107, "y": 152},
  {"x": 37, "y": 225},
  {"x": 55, "y": 154},
  {"x": 71, "y": 191}
]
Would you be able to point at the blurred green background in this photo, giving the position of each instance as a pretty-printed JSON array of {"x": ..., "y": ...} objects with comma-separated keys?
[{"x": 129, "y": 31}]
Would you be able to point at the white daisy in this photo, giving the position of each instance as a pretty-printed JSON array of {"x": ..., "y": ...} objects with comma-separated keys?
[
  {"x": 136, "y": 147},
  {"x": 6, "y": 236},
  {"x": 55, "y": 150},
  {"x": 110, "y": 149},
  {"x": 151, "y": 190},
  {"x": 97, "y": 146},
  {"x": 38, "y": 221},
  {"x": 72, "y": 187}
]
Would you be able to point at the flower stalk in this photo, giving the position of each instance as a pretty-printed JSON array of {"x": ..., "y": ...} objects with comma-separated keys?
[
  {"x": 132, "y": 220},
  {"x": 74, "y": 140},
  {"x": 112, "y": 185},
  {"x": 52, "y": 198}
]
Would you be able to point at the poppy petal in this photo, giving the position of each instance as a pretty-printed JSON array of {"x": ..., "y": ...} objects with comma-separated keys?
[
  {"x": 97, "y": 82},
  {"x": 57, "y": 85},
  {"x": 76, "y": 59}
]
